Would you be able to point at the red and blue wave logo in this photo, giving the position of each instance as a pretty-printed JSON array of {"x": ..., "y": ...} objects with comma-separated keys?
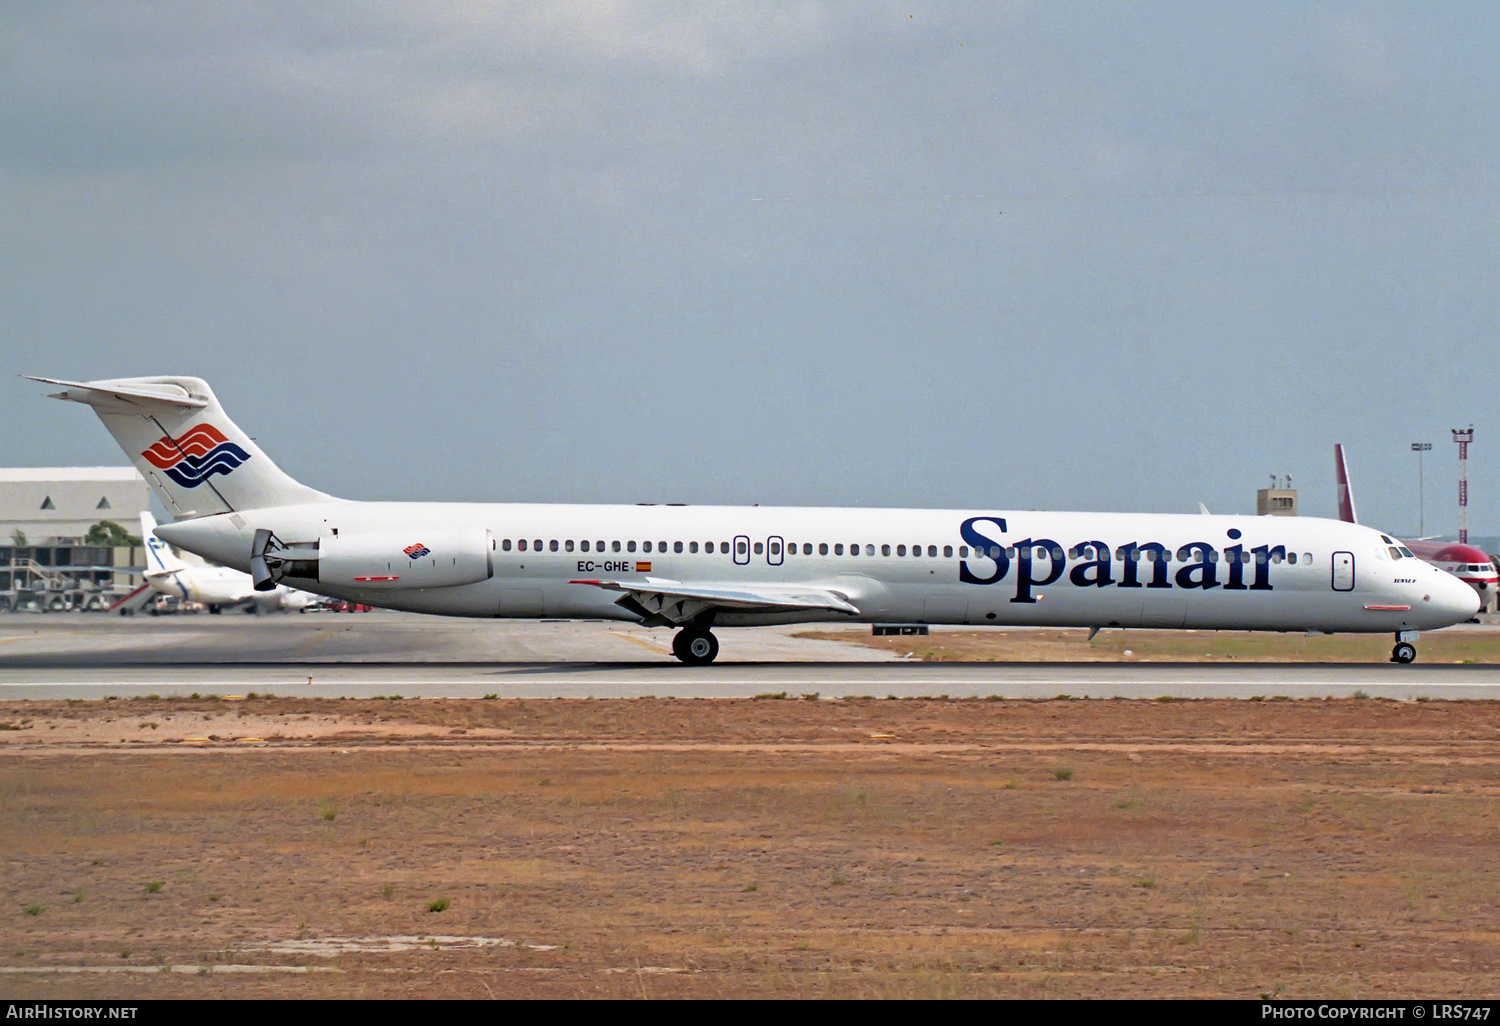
[
  {"x": 198, "y": 455},
  {"x": 416, "y": 551}
]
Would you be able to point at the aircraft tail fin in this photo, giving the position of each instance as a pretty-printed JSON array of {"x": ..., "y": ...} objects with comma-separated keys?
[
  {"x": 1346, "y": 494},
  {"x": 196, "y": 460},
  {"x": 160, "y": 559}
]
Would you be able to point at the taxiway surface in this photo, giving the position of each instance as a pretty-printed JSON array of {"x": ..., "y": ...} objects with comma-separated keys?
[{"x": 383, "y": 654}]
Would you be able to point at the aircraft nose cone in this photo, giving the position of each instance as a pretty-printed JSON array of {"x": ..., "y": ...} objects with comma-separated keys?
[{"x": 1453, "y": 600}]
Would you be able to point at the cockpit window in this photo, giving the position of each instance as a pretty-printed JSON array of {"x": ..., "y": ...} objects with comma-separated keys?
[
  {"x": 1388, "y": 541},
  {"x": 1406, "y": 552},
  {"x": 1395, "y": 553}
]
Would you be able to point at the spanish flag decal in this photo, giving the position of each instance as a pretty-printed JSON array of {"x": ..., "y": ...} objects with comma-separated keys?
[{"x": 643, "y": 568}]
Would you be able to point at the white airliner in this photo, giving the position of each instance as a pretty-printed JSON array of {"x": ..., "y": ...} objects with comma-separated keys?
[
  {"x": 213, "y": 586},
  {"x": 696, "y": 568},
  {"x": 1468, "y": 563}
]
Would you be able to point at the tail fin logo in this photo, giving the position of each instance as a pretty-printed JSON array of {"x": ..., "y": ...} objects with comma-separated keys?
[{"x": 199, "y": 454}]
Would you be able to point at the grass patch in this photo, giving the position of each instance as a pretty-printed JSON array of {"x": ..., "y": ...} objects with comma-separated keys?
[{"x": 1191, "y": 646}]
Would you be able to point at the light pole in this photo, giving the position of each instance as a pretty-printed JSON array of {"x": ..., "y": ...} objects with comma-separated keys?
[{"x": 1419, "y": 448}]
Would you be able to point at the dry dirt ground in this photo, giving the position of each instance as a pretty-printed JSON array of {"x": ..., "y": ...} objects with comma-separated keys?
[{"x": 727, "y": 848}]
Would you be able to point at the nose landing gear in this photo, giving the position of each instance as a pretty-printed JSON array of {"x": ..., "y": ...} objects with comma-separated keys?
[
  {"x": 1405, "y": 651},
  {"x": 695, "y": 647}
]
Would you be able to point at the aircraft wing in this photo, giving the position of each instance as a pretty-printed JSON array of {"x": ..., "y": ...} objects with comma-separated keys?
[{"x": 662, "y": 602}]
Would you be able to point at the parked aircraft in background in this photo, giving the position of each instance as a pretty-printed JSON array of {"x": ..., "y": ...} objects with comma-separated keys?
[
  {"x": 696, "y": 568},
  {"x": 216, "y": 587},
  {"x": 1468, "y": 563}
]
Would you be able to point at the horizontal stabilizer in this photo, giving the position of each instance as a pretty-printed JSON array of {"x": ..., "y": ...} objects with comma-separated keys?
[{"x": 122, "y": 396}]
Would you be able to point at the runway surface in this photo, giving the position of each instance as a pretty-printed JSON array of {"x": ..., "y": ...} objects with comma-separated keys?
[{"x": 384, "y": 654}]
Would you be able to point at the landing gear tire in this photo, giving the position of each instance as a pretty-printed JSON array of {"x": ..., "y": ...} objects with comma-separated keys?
[
  {"x": 1404, "y": 652},
  {"x": 696, "y": 648}
]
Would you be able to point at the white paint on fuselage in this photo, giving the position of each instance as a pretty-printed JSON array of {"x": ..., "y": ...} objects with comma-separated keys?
[
  {"x": 895, "y": 588},
  {"x": 212, "y": 586}
]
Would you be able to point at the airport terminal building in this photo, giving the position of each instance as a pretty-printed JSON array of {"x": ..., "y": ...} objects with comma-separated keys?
[{"x": 46, "y": 514}]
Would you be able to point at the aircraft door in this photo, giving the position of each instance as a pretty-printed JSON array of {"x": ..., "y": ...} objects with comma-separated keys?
[
  {"x": 741, "y": 549},
  {"x": 1343, "y": 571},
  {"x": 774, "y": 546}
]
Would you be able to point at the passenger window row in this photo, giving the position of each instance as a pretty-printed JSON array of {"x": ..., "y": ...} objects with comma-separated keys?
[
  {"x": 1187, "y": 554},
  {"x": 539, "y": 545},
  {"x": 723, "y": 547}
]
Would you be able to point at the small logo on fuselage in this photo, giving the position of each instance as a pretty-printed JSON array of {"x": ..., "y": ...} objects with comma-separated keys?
[
  {"x": 416, "y": 551},
  {"x": 199, "y": 454}
]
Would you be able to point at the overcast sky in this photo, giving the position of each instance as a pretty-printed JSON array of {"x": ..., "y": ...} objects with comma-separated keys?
[{"x": 1022, "y": 255}]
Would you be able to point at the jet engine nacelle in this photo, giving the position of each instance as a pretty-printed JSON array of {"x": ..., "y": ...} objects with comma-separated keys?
[{"x": 400, "y": 560}]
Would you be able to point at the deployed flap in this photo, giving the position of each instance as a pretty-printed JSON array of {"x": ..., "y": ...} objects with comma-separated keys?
[{"x": 662, "y": 602}]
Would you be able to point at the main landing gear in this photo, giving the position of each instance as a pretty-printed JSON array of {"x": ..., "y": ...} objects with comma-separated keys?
[
  {"x": 695, "y": 647},
  {"x": 1405, "y": 651}
]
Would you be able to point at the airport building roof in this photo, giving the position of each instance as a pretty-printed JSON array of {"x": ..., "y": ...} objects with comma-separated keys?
[{"x": 49, "y": 504}]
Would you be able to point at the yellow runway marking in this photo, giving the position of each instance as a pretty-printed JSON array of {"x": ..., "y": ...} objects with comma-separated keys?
[{"x": 641, "y": 642}]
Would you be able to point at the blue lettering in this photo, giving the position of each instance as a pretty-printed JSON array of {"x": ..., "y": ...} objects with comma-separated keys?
[
  {"x": 1132, "y": 553},
  {"x": 1024, "y": 581},
  {"x": 1100, "y": 565},
  {"x": 1207, "y": 566},
  {"x": 1234, "y": 555},
  {"x": 1095, "y": 562},
  {"x": 1263, "y": 555},
  {"x": 983, "y": 548}
]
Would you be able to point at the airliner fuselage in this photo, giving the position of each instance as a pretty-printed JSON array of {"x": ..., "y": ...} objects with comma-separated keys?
[
  {"x": 700, "y": 567},
  {"x": 918, "y": 566}
]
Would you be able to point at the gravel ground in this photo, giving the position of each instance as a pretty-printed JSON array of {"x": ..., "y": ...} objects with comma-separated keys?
[{"x": 749, "y": 848}]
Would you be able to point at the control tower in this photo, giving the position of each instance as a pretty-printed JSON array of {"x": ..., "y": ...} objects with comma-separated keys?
[{"x": 1279, "y": 500}]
